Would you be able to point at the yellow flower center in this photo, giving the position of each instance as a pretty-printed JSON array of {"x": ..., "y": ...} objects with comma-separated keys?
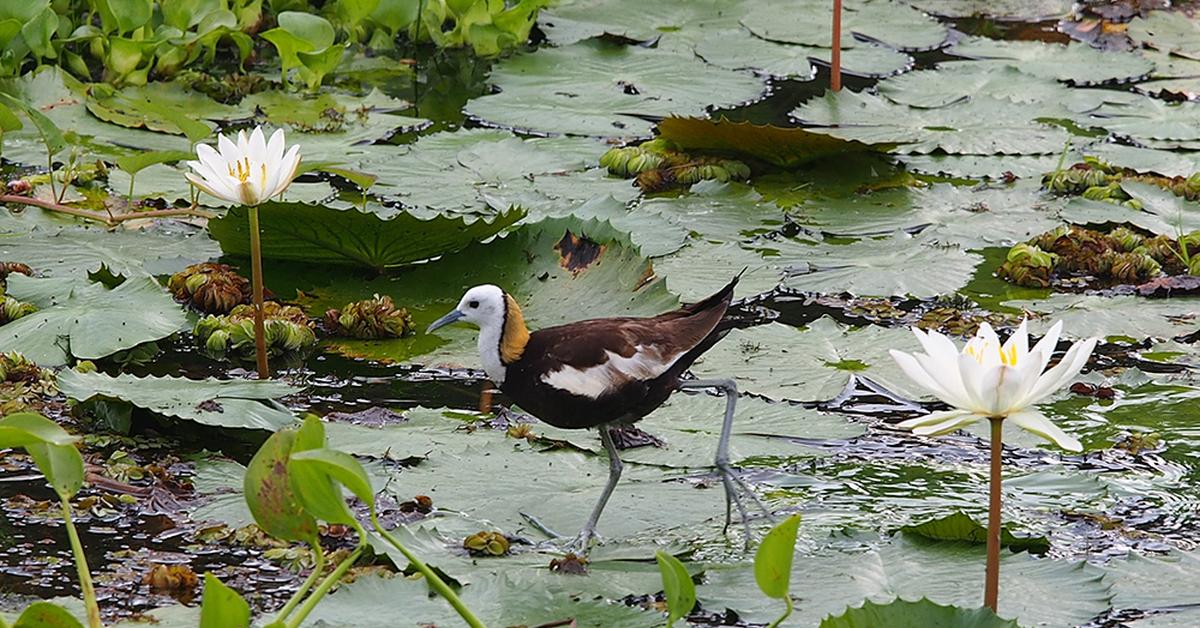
[
  {"x": 242, "y": 173},
  {"x": 1008, "y": 357}
]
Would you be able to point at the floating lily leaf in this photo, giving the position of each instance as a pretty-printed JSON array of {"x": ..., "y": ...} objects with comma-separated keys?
[
  {"x": 898, "y": 265},
  {"x": 782, "y": 146},
  {"x": 1151, "y": 118},
  {"x": 961, "y": 527},
  {"x": 1162, "y": 212},
  {"x": 954, "y": 81},
  {"x": 701, "y": 268},
  {"x": 1155, "y": 582},
  {"x": 1017, "y": 10},
  {"x": 89, "y": 321},
  {"x": 740, "y": 50},
  {"x": 1169, "y": 31},
  {"x": 815, "y": 364},
  {"x": 717, "y": 212},
  {"x": 655, "y": 234},
  {"x": 169, "y": 107},
  {"x": 980, "y": 126},
  {"x": 1103, "y": 316},
  {"x": 665, "y": 22},
  {"x": 1075, "y": 62},
  {"x": 894, "y": 23},
  {"x": 461, "y": 172},
  {"x": 334, "y": 125},
  {"x": 946, "y": 573},
  {"x": 65, "y": 251},
  {"x": 319, "y": 235},
  {"x": 224, "y": 403},
  {"x": 1171, "y": 88},
  {"x": 574, "y": 89},
  {"x": 984, "y": 166},
  {"x": 920, "y": 614}
]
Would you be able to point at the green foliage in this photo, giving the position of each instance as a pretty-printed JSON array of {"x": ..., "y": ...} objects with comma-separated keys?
[
  {"x": 222, "y": 607},
  {"x": 45, "y": 615},
  {"x": 920, "y": 614},
  {"x": 773, "y": 563},
  {"x": 678, "y": 587}
]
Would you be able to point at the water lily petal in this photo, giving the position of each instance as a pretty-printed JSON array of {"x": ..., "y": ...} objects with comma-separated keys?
[
  {"x": 275, "y": 147},
  {"x": 229, "y": 151},
  {"x": 208, "y": 187},
  {"x": 918, "y": 374},
  {"x": 1009, "y": 386},
  {"x": 1018, "y": 343},
  {"x": 1036, "y": 423},
  {"x": 1048, "y": 343},
  {"x": 288, "y": 170},
  {"x": 987, "y": 345},
  {"x": 972, "y": 373},
  {"x": 946, "y": 374},
  {"x": 256, "y": 148},
  {"x": 988, "y": 388},
  {"x": 950, "y": 424},
  {"x": 1031, "y": 370},
  {"x": 1074, "y": 361},
  {"x": 933, "y": 418}
]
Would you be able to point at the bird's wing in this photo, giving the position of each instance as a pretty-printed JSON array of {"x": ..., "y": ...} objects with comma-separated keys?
[{"x": 598, "y": 357}]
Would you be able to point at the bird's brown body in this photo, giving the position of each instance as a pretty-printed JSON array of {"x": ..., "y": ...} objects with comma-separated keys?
[{"x": 671, "y": 341}]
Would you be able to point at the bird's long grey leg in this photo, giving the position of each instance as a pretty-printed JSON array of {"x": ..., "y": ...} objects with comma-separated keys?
[
  {"x": 728, "y": 476},
  {"x": 582, "y": 543}
]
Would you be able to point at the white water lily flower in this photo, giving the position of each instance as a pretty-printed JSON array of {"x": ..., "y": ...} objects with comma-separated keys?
[
  {"x": 989, "y": 380},
  {"x": 248, "y": 172}
]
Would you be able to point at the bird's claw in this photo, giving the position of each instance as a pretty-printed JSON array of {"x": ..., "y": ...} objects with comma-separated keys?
[
  {"x": 735, "y": 487},
  {"x": 580, "y": 544}
]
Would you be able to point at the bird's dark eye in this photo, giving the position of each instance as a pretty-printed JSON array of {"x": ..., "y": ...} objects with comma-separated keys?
[{"x": 473, "y": 304}]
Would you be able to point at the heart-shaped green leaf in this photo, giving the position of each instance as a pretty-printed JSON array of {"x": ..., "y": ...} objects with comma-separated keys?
[
  {"x": 269, "y": 494},
  {"x": 678, "y": 587},
  {"x": 773, "y": 560},
  {"x": 222, "y": 607}
]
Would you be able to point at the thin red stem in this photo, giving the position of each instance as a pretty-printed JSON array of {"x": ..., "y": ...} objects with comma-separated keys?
[
  {"x": 991, "y": 583},
  {"x": 835, "y": 64},
  {"x": 256, "y": 271}
]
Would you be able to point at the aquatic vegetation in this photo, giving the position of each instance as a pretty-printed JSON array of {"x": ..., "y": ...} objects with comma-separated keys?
[
  {"x": 376, "y": 317},
  {"x": 997, "y": 382},
  {"x": 1075, "y": 254},
  {"x": 286, "y": 328},
  {"x": 659, "y": 165},
  {"x": 210, "y": 287},
  {"x": 486, "y": 544}
]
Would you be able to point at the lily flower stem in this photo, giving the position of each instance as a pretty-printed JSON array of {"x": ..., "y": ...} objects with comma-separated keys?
[
  {"x": 318, "y": 568},
  {"x": 325, "y": 585},
  {"x": 85, "y": 576},
  {"x": 260, "y": 339},
  {"x": 835, "y": 59},
  {"x": 991, "y": 584},
  {"x": 434, "y": 581}
]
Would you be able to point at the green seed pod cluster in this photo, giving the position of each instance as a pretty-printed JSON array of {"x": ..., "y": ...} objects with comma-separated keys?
[
  {"x": 285, "y": 328},
  {"x": 210, "y": 287},
  {"x": 1027, "y": 265},
  {"x": 1125, "y": 239},
  {"x": 486, "y": 544},
  {"x": 377, "y": 317},
  {"x": 12, "y": 309}
]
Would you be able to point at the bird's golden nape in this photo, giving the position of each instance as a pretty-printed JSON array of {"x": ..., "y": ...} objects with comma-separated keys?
[{"x": 516, "y": 335}]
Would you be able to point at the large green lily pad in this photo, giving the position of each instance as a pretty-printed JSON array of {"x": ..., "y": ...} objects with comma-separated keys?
[
  {"x": 979, "y": 126},
  {"x": 1076, "y": 62},
  {"x": 810, "y": 23},
  {"x": 68, "y": 250},
  {"x": 321, "y": 235},
  {"x": 738, "y": 49},
  {"x": 84, "y": 320},
  {"x": 1169, "y": 31},
  {"x": 605, "y": 90},
  {"x": 670, "y": 23},
  {"x": 222, "y": 403}
]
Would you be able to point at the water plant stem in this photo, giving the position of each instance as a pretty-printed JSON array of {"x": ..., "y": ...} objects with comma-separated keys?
[
  {"x": 260, "y": 338},
  {"x": 306, "y": 585},
  {"x": 325, "y": 585},
  {"x": 85, "y": 575},
  {"x": 435, "y": 582},
  {"x": 991, "y": 583},
  {"x": 786, "y": 613},
  {"x": 835, "y": 59},
  {"x": 109, "y": 220}
]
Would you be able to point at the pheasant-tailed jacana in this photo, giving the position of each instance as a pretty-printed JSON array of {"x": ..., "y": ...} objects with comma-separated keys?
[{"x": 602, "y": 372}]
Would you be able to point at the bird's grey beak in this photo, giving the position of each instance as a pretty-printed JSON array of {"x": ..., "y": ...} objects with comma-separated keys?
[{"x": 445, "y": 320}]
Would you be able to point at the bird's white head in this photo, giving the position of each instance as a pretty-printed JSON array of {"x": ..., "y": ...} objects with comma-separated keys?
[{"x": 502, "y": 331}]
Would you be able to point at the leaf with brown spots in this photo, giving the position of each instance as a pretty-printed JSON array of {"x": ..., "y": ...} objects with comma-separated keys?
[
  {"x": 269, "y": 495},
  {"x": 577, "y": 252}
]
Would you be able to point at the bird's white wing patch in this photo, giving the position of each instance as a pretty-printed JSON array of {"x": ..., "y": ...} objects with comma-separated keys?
[{"x": 593, "y": 382}]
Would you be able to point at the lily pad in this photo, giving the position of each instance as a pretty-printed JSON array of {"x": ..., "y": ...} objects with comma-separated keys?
[
  {"x": 319, "y": 235},
  {"x": 717, "y": 212},
  {"x": 951, "y": 82},
  {"x": 894, "y": 23},
  {"x": 1152, "y": 119},
  {"x": 86, "y": 320},
  {"x": 605, "y": 90},
  {"x": 920, "y": 614},
  {"x": 961, "y": 527},
  {"x": 814, "y": 364},
  {"x": 979, "y": 126},
  {"x": 1169, "y": 31},
  {"x": 222, "y": 403},
  {"x": 898, "y": 265},
  {"x": 1017, "y": 10},
  {"x": 64, "y": 251},
  {"x": 665, "y": 22},
  {"x": 1076, "y": 62},
  {"x": 740, "y": 50},
  {"x": 782, "y": 146},
  {"x": 1155, "y": 582},
  {"x": 1102, "y": 316}
]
